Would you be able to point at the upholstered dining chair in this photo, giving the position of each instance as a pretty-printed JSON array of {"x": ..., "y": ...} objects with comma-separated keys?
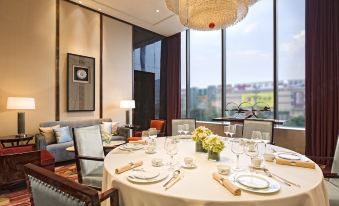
[
  {"x": 47, "y": 188},
  {"x": 256, "y": 125},
  {"x": 177, "y": 122},
  {"x": 89, "y": 155},
  {"x": 158, "y": 124},
  {"x": 331, "y": 175}
]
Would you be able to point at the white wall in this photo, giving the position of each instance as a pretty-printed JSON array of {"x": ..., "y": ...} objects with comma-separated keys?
[
  {"x": 27, "y": 59},
  {"x": 117, "y": 67}
]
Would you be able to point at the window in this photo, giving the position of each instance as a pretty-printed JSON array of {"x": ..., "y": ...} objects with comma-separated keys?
[
  {"x": 183, "y": 74},
  {"x": 249, "y": 59},
  {"x": 250, "y": 64},
  {"x": 291, "y": 61},
  {"x": 205, "y": 78}
]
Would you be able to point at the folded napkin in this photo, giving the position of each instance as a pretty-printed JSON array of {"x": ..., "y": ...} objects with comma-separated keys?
[
  {"x": 127, "y": 167},
  {"x": 138, "y": 142},
  {"x": 297, "y": 163},
  {"x": 228, "y": 184}
]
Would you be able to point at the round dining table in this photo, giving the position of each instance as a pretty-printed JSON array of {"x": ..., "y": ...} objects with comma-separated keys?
[{"x": 197, "y": 186}]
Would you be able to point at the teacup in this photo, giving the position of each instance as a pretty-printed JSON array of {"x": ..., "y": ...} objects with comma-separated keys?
[
  {"x": 223, "y": 169},
  {"x": 189, "y": 161},
  {"x": 256, "y": 162},
  {"x": 156, "y": 162},
  {"x": 269, "y": 157}
]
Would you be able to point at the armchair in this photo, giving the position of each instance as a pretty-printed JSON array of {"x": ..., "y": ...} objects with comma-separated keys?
[
  {"x": 47, "y": 188},
  {"x": 331, "y": 174},
  {"x": 254, "y": 125},
  {"x": 158, "y": 124},
  {"x": 89, "y": 155}
]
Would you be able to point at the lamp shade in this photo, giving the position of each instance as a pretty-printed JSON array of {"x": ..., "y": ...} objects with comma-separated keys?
[
  {"x": 127, "y": 104},
  {"x": 20, "y": 103}
]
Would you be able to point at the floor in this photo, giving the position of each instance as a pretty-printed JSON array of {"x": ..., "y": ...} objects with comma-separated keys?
[{"x": 19, "y": 196}]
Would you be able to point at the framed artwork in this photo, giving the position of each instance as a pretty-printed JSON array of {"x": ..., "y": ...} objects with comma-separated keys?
[{"x": 80, "y": 83}]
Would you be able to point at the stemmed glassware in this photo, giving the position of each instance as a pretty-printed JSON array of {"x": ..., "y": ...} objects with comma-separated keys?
[
  {"x": 256, "y": 136},
  {"x": 153, "y": 133},
  {"x": 251, "y": 149},
  {"x": 232, "y": 130},
  {"x": 186, "y": 128},
  {"x": 171, "y": 149},
  {"x": 237, "y": 148},
  {"x": 266, "y": 138},
  {"x": 227, "y": 130},
  {"x": 180, "y": 129}
]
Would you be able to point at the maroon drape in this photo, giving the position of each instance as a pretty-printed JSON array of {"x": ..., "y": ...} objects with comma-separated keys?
[
  {"x": 322, "y": 77},
  {"x": 170, "y": 80}
]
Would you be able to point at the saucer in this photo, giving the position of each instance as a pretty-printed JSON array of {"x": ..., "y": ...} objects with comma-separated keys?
[{"x": 192, "y": 166}]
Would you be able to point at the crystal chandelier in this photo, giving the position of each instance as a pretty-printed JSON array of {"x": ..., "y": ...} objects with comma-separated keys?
[{"x": 209, "y": 14}]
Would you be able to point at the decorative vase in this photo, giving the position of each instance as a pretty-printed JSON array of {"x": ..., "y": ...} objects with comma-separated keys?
[
  {"x": 198, "y": 147},
  {"x": 214, "y": 156}
]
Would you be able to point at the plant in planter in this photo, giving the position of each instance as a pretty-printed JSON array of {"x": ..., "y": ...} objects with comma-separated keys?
[
  {"x": 198, "y": 135},
  {"x": 214, "y": 145}
]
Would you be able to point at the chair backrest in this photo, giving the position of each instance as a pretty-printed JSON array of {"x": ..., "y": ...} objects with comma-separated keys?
[
  {"x": 158, "y": 124},
  {"x": 255, "y": 125},
  {"x": 176, "y": 122},
  {"x": 88, "y": 142},
  {"x": 47, "y": 188},
  {"x": 335, "y": 164}
]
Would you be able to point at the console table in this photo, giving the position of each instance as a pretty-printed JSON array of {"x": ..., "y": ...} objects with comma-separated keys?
[{"x": 15, "y": 139}]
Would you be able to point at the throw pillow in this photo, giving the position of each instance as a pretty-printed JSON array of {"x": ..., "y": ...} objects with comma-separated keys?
[
  {"x": 62, "y": 134},
  {"x": 48, "y": 133},
  {"x": 114, "y": 127}
]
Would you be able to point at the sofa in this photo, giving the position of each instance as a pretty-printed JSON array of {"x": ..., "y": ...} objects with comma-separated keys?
[{"x": 58, "y": 150}]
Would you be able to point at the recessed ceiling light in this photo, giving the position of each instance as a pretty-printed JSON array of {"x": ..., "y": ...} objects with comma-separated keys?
[{"x": 157, "y": 10}]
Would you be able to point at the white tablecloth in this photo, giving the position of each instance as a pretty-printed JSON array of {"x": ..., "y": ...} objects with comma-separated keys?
[{"x": 198, "y": 188}]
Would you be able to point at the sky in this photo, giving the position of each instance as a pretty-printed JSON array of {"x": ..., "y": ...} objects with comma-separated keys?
[{"x": 249, "y": 47}]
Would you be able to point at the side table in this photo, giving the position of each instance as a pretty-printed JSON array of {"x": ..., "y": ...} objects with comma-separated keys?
[{"x": 15, "y": 139}]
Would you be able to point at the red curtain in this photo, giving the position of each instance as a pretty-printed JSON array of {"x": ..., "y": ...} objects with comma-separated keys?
[
  {"x": 170, "y": 94},
  {"x": 322, "y": 77}
]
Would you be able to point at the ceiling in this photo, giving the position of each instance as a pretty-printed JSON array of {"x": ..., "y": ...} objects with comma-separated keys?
[{"x": 142, "y": 13}]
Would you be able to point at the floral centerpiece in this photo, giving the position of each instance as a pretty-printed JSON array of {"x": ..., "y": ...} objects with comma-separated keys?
[
  {"x": 214, "y": 144},
  {"x": 198, "y": 135}
]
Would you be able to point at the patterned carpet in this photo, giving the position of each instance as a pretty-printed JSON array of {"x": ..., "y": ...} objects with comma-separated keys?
[{"x": 20, "y": 197}]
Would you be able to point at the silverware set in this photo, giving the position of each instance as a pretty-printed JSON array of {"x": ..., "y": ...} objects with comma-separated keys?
[
  {"x": 277, "y": 177},
  {"x": 174, "y": 179}
]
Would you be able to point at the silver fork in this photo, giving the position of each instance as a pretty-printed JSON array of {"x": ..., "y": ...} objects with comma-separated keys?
[{"x": 268, "y": 173}]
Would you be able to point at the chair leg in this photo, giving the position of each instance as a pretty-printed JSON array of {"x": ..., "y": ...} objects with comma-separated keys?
[{"x": 114, "y": 198}]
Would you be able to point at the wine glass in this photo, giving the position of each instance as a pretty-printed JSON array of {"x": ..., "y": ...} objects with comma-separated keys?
[
  {"x": 171, "y": 149},
  {"x": 237, "y": 148},
  {"x": 227, "y": 130},
  {"x": 153, "y": 133},
  {"x": 180, "y": 129},
  {"x": 232, "y": 130},
  {"x": 266, "y": 138},
  {"x": 251, "y": 149},
  {"x": 256, "y": 136},
  {"x": 186, "y": 129}
]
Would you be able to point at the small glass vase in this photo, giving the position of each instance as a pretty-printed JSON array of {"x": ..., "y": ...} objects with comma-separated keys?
[
  {"x": 214, "y": 156},
  {"x": 199, "y": 147}
]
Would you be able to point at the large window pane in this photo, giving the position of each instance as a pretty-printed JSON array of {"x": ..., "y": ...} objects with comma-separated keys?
[
  {"x": 249, "y": 58},
  {"x": 205, "y": 79},
  {"x": 183, "y": 74},
  {"x": 291, "y": 61}
]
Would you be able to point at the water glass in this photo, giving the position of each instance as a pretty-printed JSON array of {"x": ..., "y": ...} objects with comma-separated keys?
[
  {"x": 180, "y": 129},
  {"x": 171, "y": 149},
  {"x": 186, "y": 129},
  {"x": 256, "y": 136},
  {"x": 153, "y": 133},
  {"x": 237, "y": 148}
]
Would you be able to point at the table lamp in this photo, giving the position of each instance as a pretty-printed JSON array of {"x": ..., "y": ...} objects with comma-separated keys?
[
  {"x": 127, "y": 104},
  {"x": 21, "y": 103}
]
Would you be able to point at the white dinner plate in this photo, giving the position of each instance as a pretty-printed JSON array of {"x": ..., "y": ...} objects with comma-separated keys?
[
  {"x": 145, "y": 173},
  {"x": 130, "y": 147},
  {"x": 252, "y": 181},
  {"x": 162, "y": 175},
  {"x": 273, "y": 187},
  {"x": 289, "y": 156}
]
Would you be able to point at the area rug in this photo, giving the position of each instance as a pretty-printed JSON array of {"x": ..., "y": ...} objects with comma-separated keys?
[{"x": 20, "y": 197}]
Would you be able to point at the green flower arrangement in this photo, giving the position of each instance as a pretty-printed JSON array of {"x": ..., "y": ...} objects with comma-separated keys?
[
  {"x": 106, "y": 137},
  {"x": 201, "y": 133},
  {"x": 213, "y": 143}
]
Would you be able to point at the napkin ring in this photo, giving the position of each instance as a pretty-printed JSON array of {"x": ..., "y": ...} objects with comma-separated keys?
[
  {"x": 132, "y": 164},
  {"x": 221, "y": 180}
]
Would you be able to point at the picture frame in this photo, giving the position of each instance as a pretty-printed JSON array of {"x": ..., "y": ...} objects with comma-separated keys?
[{"x": 80, "y": 83}]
